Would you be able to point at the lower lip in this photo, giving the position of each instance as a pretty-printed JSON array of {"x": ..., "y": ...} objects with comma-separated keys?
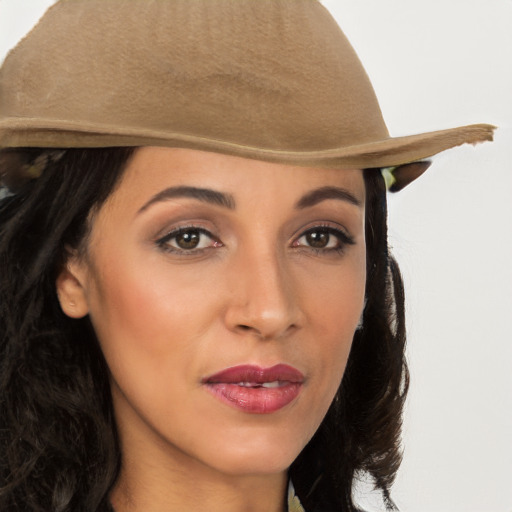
[{"x": 256, "y": 400}]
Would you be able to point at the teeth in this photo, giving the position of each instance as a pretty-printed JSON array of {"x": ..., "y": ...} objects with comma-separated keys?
[{"x": 274, "y": 384}]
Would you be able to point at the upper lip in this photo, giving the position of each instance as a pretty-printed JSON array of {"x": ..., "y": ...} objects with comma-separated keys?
[{"x": 255, "y": 374}]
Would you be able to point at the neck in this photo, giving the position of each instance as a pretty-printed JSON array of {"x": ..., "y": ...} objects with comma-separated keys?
[{"x": 155, "y": 489}]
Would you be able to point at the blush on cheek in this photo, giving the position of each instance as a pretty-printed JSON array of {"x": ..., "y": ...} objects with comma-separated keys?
[
  {"x": 121, "y": 309},
  {"x": 138, "y": 313}
]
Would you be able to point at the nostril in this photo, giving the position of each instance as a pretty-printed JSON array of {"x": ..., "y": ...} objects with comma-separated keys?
[{"x": 269, "y": 334}]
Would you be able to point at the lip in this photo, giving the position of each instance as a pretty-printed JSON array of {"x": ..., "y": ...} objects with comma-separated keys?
[{"x": 256, "y": 390}]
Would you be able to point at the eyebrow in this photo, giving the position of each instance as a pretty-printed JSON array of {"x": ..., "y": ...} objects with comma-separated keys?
[
  {"x": 323, "y": 194},
  {"x": 205, "y": 195}
]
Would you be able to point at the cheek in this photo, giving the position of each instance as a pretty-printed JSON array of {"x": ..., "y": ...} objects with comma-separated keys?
[
  {"x": 146, "y": 316},
  {"x": 334, "y": 301}
]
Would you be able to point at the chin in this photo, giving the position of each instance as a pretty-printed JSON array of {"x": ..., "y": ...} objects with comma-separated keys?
[
  {"x": 257, "y": 455},
  {"x": 257, "y": 464}
]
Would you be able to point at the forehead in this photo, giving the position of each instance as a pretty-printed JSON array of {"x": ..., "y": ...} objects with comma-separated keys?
[{"x": 153, "y": 169}]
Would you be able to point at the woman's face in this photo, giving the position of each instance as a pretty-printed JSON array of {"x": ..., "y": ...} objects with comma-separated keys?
[{"x": 225, "y": 294}]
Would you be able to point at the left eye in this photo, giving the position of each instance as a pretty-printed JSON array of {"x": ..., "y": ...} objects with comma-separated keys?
[
  {"x": 324, "y": 238},
  {"x": 188, "y": 239}
]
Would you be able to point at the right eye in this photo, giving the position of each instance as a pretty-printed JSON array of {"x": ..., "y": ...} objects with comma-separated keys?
[{"x": 188, "y": 240}]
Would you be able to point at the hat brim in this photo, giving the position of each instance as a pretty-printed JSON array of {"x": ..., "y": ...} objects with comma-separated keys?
[{"x": 390, "y": 151}]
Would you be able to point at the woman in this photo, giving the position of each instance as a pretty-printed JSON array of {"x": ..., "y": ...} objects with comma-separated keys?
[{"x": 198, "y": 304}]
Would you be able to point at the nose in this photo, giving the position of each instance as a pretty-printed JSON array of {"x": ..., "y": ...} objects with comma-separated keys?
[{"x": 264, "y": 300}]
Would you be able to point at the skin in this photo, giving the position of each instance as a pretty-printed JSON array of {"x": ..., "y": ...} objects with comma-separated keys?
[{"x": 254, "y": 291}]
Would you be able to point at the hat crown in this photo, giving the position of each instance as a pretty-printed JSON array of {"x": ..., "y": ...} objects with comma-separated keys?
[{"x": 272, "y": 74}]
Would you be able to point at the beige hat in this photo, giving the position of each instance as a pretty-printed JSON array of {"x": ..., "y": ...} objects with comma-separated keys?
[{"x": 273, "y": 80}]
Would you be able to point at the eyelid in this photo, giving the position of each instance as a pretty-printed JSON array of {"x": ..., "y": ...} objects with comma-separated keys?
[
  {"x": 163, "y": 241},
  {"x": 335, "y": 229}
]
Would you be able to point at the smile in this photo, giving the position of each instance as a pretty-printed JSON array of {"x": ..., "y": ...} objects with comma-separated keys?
[{"x": 256, "y": 390}]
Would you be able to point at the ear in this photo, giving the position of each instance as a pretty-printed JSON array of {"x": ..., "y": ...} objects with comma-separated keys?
[{"x": 71, "y": 289}]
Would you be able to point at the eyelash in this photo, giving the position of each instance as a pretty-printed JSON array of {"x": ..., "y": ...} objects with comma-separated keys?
[
  {"x": 343, "y": 240},
  {"x": 164, "y": 242}
]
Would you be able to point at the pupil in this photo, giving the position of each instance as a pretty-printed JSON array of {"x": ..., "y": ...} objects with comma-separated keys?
[
  {"x": 318, "y": 239},
  {"x": 188, "y": 240}
]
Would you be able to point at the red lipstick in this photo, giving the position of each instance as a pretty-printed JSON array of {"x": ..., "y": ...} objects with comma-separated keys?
[{"x": 256, "y": 390}]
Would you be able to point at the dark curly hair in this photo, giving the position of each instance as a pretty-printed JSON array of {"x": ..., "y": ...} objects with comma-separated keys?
[{"x": 58, "y": 438}]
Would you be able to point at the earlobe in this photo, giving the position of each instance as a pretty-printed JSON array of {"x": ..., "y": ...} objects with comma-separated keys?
[{"x": 71, "y": 290}]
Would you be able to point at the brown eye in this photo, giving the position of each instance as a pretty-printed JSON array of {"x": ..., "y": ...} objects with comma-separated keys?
[
  {"x": 324, "y": 239},
  {"x": 188, "y": 240},
  {"x": 319, "y": 239}
]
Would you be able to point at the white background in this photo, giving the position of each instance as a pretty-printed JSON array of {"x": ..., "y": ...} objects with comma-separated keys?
[{"x": 437, "y": 64}]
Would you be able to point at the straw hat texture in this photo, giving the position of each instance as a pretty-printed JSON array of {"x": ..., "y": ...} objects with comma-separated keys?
[{"x": 274, "y": 80}]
